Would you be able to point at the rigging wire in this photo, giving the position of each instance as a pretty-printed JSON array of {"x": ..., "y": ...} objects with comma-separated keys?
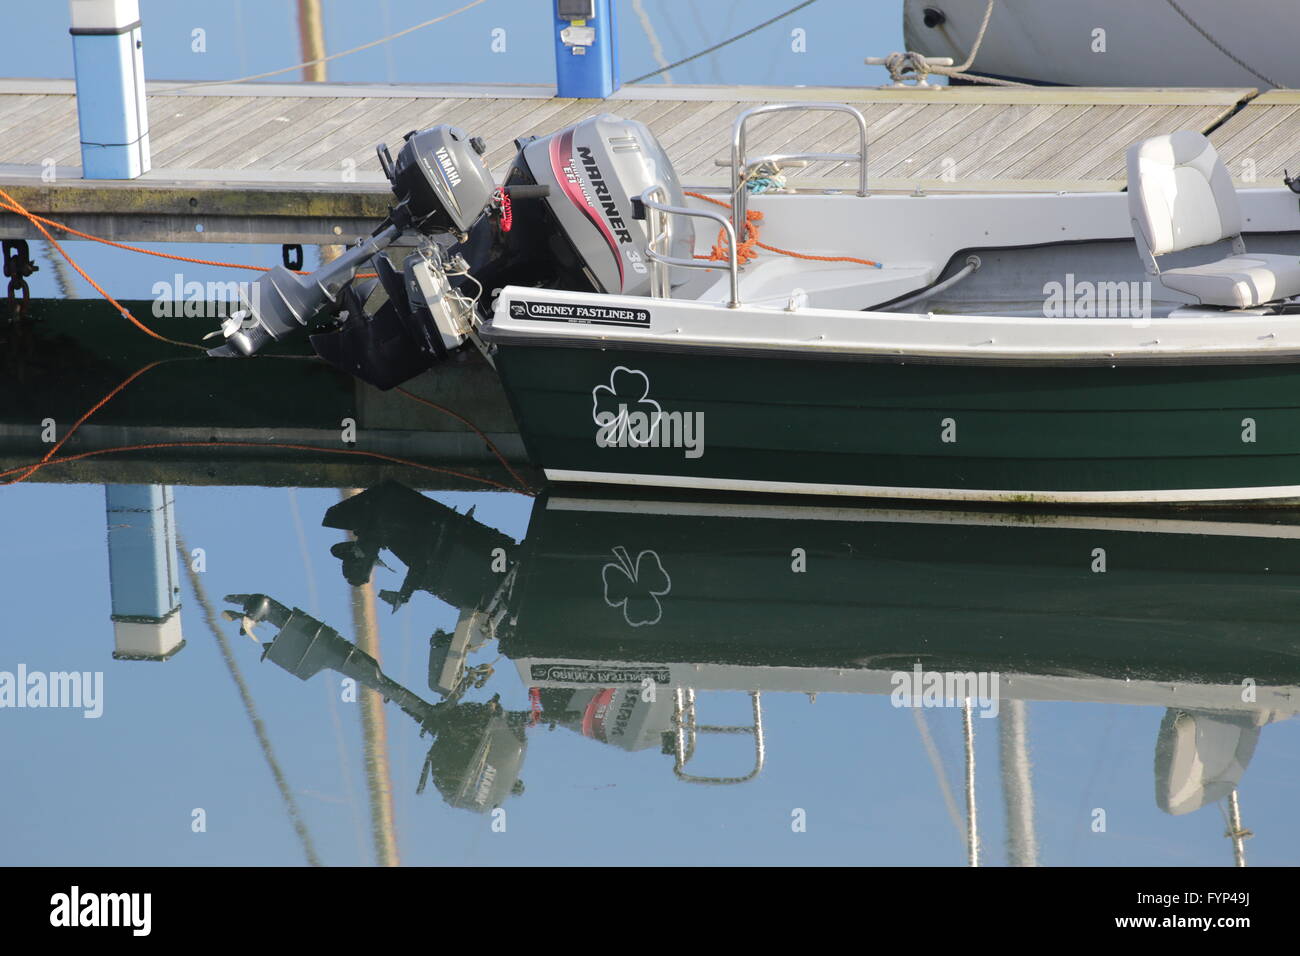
[
  {"x": 719, "y": 46},
  {"x": 656, "y": 48},
  {"x": 1221, "y": 48},
  {"x": 250, "y": 708},
  {"x": 332, "y": 56}
]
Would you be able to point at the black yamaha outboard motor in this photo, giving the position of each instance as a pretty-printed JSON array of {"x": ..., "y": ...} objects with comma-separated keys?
[{"x": 563, "y": 219}]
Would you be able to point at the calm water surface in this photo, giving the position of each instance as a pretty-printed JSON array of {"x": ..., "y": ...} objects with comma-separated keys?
[{"x": 553, "y": 666}]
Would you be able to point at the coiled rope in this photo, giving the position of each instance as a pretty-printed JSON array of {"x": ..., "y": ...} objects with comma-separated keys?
[
  {"x": 917, "y": 64},
  {"x": 745, "y": 247}
]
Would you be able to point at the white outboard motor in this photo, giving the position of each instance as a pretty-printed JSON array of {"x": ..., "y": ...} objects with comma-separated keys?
[
  {"x": 1200, "y": 758},
  {"x": 595, "y": 170}
]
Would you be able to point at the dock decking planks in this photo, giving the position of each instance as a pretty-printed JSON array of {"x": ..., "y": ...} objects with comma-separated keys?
[{"x": 267, "y": 162}]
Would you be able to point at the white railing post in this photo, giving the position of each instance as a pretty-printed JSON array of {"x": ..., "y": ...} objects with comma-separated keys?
[{"x": 109, "y": 60}]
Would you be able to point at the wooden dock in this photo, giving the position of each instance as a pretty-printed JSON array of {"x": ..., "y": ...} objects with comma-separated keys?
[{"x": 295, "y": 162}]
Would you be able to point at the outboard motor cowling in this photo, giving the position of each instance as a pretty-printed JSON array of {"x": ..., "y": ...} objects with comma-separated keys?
[
  {"x": 595, "y": 169},
  {"x": 440, "y": 176}
]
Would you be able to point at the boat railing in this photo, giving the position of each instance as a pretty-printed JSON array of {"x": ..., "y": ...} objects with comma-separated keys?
[
  {"x": 687, "y": 730},
  {"x": 742, "y": 165},
  {"x": 657, "y": 212}
]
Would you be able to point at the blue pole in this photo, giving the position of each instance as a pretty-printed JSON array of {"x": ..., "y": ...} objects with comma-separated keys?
[
  {"x": 108, "y": 57},
  {"x": 586, "y": 49},
  {"x": 143, "y": 572}
]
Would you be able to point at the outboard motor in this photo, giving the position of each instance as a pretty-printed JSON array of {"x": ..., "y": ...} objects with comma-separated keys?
[
  {"x": 584, "y": 237},
  {"x": 563, "y": 220},
  {"x": 441, "y": 184}
]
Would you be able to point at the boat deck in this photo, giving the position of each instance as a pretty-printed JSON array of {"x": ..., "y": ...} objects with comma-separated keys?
[{"x": 294, "y": 162}]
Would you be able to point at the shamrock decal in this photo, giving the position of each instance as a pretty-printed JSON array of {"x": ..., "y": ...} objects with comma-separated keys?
[
  {"x": 624, "y": 406},
  {"x": 636, "y": 586}
]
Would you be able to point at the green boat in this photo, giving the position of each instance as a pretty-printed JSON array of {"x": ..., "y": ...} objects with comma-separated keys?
[
  {"x": 1031, "y": 347},
  {"x": 1093, "y": 395},
  {"x": 1045, "y": 433}
]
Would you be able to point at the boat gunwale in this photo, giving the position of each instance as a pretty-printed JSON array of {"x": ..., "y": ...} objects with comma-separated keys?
[
  {"x": 815, "y": 352},
  {"x": 1255, "y": 338}
]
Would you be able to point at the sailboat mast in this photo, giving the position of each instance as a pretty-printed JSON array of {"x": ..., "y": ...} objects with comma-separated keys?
[
  {"x": 1017, "y": 783},
  {"x": 972, "y": 829},
  {"x": 1236, "y": 832}
]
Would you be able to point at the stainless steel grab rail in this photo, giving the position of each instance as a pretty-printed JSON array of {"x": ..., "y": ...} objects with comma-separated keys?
[
  {"x": 657, "y": 212},
  {"x": 686, "y": 730},
  {"x": 740, "y": 164}
]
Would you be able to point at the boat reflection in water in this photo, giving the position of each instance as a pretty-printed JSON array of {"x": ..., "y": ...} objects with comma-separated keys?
[{"x": 619, "y": 613}]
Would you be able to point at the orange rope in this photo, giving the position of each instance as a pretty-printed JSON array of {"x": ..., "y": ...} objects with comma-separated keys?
[
  {"x": 49, "y": 459},
  {"x": 126, "y": 314},
  {"x": 744, "y": 249},
  {"x": 523, "y": 485},
  {"x": 255, "y": 444},
  {"x": 11, "y": 205},
  {"x": 49, "y": 455},
  {"x": 122, "y": 245}
]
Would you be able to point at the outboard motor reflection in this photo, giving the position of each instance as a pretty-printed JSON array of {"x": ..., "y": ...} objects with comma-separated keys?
[{"x": 735, "y": 620}]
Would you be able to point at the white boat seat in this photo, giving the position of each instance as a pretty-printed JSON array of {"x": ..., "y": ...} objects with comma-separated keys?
[
  {"x": 1180, "y": 196},
  {"x": 1238, "y": 281}
]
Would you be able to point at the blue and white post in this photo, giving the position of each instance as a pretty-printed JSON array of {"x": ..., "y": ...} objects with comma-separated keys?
[
  {"x": 586, "y": 49},
  {"x": 109, "y": 59},
  {"x": 143, "y": 572}
]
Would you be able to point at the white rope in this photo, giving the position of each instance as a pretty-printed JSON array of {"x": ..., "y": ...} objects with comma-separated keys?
[
  {"x": 899, "y": 64},
  {"x": 979, "y": 39}
]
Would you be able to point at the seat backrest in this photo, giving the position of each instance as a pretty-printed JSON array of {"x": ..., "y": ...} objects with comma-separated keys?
[{"x": 1179, "y": 193}]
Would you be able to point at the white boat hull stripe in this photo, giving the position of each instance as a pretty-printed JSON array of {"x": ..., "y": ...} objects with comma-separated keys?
[{"x": 1136, "y": 496}]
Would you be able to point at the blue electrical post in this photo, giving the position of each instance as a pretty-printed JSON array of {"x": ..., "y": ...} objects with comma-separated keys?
[
  {"x": 586, "y": 49},
  {"x": 143, "y": 574},
  {"x": 109, "y": 61}
]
